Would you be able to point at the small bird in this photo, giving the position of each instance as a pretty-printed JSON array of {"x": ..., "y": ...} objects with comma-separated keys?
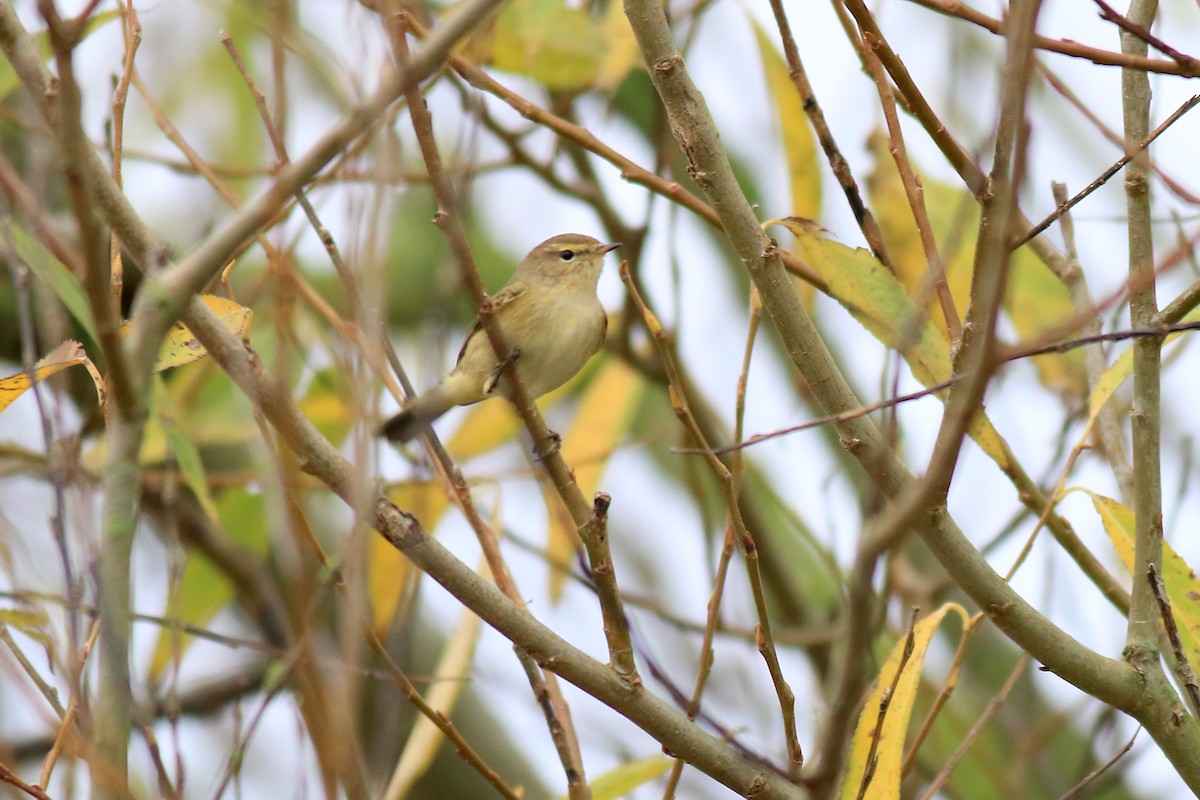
[{"x": 551, "y": 320}]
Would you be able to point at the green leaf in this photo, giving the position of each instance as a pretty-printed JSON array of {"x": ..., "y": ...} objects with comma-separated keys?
[
  {"x": 562, "y": 48},
  {"x": 203, "y": 589},
  {"x": 875, "y": 297},
  {"x": 33, "y": 622},
  {"x": 48, "y": 269},
  {"x": 187, "y": 455}
]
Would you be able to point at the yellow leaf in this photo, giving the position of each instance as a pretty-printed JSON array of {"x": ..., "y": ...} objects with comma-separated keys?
[
  {"x": 1182, "y": 585},
  {"x": 900, "y": 677},
  {"x": 1117, "y": 374},
  {"x": 389, "y": 573},
  {"x": 31, "y": 621},
  {"x": 953, "y": 216},
  {"x": 203, "y": 589},
  {"x": 604, "y": 414},
  {"x": 487, "y": 426},
  {"x": 799, "y": 146},
  {"x": 623, "y": 52},
  {"x": 1036, "y": 299},
  {"x": 326, "y": 404},
  {"x": 68, "y": 354},
  {"x": 180, "y": 346},
  {"x": 874, "y": 296},
  {"x": 562, "y": 540},
  {"x": 622, "y": 780}
]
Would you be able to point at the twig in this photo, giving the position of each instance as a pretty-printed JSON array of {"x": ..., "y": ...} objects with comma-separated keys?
[
  {"x": 935, "y": 264},
  {"x": 69, "y": 727},
  {"x": 1075, "y": 790},
  {"x": 448, "y": 220},
  {"x": 1110, "y": 431},
  {"x": 1181, "y": 665},
  {"x": 48, "y": 692},
  {"x": 1176, "y": 188},
  {"x": 1067, "y": 47},
  {"x": 594, "y": 534},
  {"x": 993, "y": 706},
  {"x": 404, "y": 532},
  {"x": 278, "y": 682},
  {"x": 707, "y": 657},
  {"x": 132, "y": 31},
  {"x": 1143, "y": 33},
  {"x": 1103, "y": 178},
  {"x": 630, "y": 171},
  {"x": 833, "y": 154},
  {"x": 10, "y": 777},
  {"x": 764, "y": 638},
  {"x": 1004, "y": 357}
]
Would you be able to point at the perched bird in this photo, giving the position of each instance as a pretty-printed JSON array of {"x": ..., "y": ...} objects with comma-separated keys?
[{"x": 551, "y": 320}]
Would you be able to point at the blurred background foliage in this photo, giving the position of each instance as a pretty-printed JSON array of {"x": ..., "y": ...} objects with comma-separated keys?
[{"x": 243, "y": 624}]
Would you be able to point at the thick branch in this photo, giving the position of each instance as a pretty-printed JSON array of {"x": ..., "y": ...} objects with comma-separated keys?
[
  {"x": 694, "y": 130},
  {"x": 319, "y": 458}
]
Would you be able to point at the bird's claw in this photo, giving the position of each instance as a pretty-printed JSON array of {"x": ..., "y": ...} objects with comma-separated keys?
[
  {"x": 553, "y": 443},
  {"x": 496, "y": 374}
]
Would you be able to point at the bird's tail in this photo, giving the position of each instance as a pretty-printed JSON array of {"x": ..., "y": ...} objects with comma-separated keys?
[{"x": 417, "y": 417}]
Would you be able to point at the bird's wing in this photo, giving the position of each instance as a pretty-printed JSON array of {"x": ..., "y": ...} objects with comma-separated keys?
[{"x": 499, "y": 300}]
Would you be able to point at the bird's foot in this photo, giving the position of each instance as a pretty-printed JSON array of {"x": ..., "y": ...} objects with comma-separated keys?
[
  {"x": 547, "y": 447},
  {"x": 504, "y": 366}
]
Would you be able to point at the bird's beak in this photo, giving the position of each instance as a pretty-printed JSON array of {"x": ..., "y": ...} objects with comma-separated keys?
[{"x": 604, "y": 248}]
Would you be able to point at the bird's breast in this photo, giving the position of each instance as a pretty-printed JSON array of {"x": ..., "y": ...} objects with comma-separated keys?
[{"x": 556, "y": 340}]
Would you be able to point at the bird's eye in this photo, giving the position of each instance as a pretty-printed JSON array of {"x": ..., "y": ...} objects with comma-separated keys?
[{"x": 566, "y": 255}]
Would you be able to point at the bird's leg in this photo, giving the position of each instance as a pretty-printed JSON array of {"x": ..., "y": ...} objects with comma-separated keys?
[{"x": 493, "y": 378}]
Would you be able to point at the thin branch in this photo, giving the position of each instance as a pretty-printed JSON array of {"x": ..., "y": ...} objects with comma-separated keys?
[
  {"x": 1067, "y": 47},
  {"x": 1143, "y": 33},
  {"x": 990, "y": 711},
  {"x": 1078, "y": 788},
  {"x": 724, "y": 478},
  {"x": 1146, "y": 420},
  {"x": 1103, "y": 178},
  {"x": 630, "y": 171},
  {"x": 581, "y": 511},
  {"x": 1110, "y": 431},
  {"x": 10, "y": 777},
  {"x": 833, "y": 154},
  {"x": 1183, "y": 668},
  {"x": 915, "y": 193},
  {"x": 403, "y": 531}
]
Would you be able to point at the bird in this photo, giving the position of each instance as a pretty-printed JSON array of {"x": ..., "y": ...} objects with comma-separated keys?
[{"x": 551, "y": 320}]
